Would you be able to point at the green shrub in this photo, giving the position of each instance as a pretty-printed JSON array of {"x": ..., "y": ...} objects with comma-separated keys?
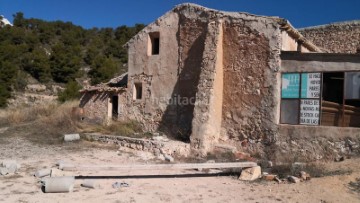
[{"x": 71, "y": 92}]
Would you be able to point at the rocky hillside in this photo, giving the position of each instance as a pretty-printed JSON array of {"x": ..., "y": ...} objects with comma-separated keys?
[{"x": 58, "y": 53}]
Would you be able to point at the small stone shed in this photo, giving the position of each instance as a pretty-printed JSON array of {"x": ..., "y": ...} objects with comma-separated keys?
[
  {"x": 101, "y": 102},
  {"x": 212, "y": 77}
]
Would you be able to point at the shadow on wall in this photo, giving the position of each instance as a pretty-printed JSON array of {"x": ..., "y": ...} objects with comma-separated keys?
[
  {"x": 91, "y": 108},
  {"x": 177, "y": 118},
  {"x": 86, "y": 97}
]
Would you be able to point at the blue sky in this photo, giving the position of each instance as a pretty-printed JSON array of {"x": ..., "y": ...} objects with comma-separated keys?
[{"x": 113, "y": 13}]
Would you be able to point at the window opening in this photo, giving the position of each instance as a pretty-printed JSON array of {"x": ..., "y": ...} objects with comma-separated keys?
[{"x": 138, "y": 91}]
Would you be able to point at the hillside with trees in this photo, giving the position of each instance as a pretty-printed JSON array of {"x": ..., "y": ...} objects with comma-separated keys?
[{"x": 59, "y": 52}]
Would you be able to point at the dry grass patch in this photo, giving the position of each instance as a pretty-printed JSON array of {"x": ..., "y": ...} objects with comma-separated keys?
[
  {"x": 129, "y": 128},
  {"x": 43, "y": 123}
]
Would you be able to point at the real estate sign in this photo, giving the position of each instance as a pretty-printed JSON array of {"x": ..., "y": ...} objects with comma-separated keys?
[
  {"x": 310, "y": 85},
  {"x": 309, "y": 111}
]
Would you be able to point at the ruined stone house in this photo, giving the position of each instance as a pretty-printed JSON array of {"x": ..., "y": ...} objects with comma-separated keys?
[{"x": 214, "y": 77}]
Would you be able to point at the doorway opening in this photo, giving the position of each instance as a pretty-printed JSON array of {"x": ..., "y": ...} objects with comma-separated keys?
[{"x": 115, "y": 107}]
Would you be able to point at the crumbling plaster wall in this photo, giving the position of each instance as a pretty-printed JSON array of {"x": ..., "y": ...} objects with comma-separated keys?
[
  {"x": 199, "y": 45},
  {"x": 157, "y": 73},
  {"x": 337, "y": 38},
  {"x": 251, "y": 81}
]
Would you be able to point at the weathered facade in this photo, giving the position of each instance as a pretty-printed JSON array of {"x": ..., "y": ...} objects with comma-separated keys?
[
  {"x": 212, "y": 77},
  {"x": 215, "y": 76}
]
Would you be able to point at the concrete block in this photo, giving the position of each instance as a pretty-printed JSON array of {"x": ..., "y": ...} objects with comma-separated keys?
[
  {"x": 58, "y": 184},
  {"x": 250, "y": 174},
  {"x": 90, "y": 184},
  {"x": 71, "y": 137}
]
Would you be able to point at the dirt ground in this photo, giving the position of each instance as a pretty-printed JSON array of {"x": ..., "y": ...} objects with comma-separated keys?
[{"x": 24, "y": 187}]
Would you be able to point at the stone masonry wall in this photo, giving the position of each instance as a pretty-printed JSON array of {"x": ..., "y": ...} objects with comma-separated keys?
[
  {"x": 251, "y": 87},
  {"x": 95, "y": 106},
  {"x": 246, "y": 54},
  {"x": 337, "y": 38},
  {"x": 198, "y": 73},
  {"x": 310, "y": 143}
]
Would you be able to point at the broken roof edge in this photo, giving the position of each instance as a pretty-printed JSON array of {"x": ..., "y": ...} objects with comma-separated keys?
[
  {"x": 102, "y": 89},
  {"x": 227, "y": 13},
  {"x": 187, "y": 5},
  {"x": 117, "y": 79},
  {"x": 284, "y": 24},
  {"x": 294, "y": 33},
  {"x": 105, "y": 86}
]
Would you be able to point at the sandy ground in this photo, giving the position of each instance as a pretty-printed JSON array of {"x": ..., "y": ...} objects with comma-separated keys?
[{"x": 24, "y": 187}]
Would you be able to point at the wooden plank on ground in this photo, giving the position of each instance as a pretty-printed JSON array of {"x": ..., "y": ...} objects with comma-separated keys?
[{"x": 228, "y": 165}]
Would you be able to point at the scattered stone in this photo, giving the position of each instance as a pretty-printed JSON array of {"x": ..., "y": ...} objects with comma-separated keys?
[
  {"x": 293, "y": 179},
  {"x": 269, "y": 177},
  {"x": 278, "y": 179},
  {"x": 42, "y": 173},
  {"x": 250, "y": 174},
  {"x": 339, "y": 159},
  {"x": 3, "y": 171},
  {"x": 12, "y": 168},
  {"x": 11, "y": 165},
  {"x": 117, "y": 185},
  {"x": 304, "y": 175},
  {"x": 71, "y": 137},
  {"x": 157, "y": 152},
  {"x": 168, "y": 158}
]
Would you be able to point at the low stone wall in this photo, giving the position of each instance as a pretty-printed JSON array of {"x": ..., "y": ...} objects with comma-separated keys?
[
  {"x": 309, "y": 143},
  {"x": 132, "y": 143},
  {"x": 160, "y": 146}
]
